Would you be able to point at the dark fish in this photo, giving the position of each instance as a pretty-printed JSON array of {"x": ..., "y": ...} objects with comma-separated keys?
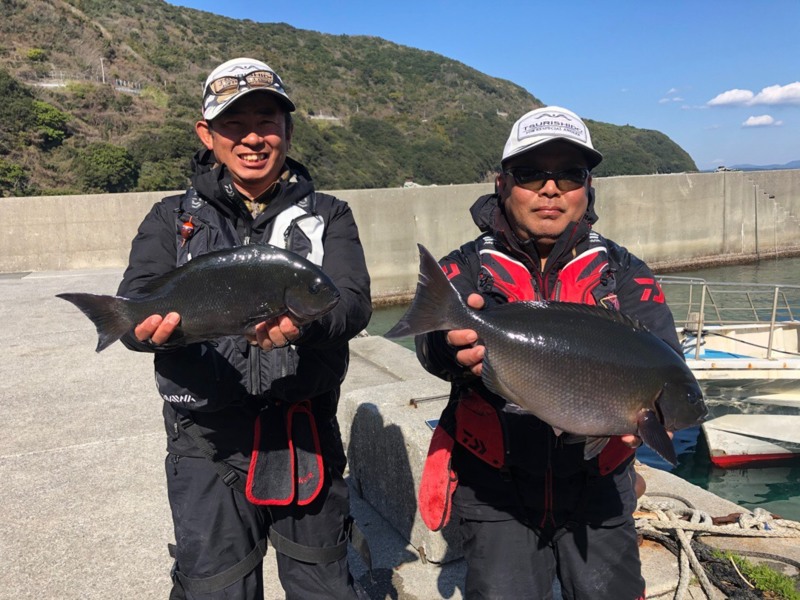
[
  {"x": 226, "y": 292},
  {"x": 585, "y": 370}
]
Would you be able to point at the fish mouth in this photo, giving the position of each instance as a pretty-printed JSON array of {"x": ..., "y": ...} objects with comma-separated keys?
[
  {"x": 307, "y": 314},
  {"x": 691, "y": 410}
]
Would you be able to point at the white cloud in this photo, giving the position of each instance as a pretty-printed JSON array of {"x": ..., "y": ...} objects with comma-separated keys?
[
  {"x": 779, "y": 94},
  {"x": 732, "y": 97},
  {"x": 771, "y": 95},
  {"x": 761, "y": 121},
  {"x": 670, "y": 96}
]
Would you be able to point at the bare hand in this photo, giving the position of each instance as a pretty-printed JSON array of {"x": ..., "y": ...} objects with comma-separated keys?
[
  {"x": 630, "y": 440},
  {"x": 634, "y": 441},
  {"x": 275, "y": 333},
  {"x": 156, "y": 328},
  {"x": 469, "y": 354}
]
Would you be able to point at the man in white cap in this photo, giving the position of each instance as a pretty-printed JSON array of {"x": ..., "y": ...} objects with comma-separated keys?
[
  {"x": 530, "y": 508},
  {"x": 254, "y": 449}
]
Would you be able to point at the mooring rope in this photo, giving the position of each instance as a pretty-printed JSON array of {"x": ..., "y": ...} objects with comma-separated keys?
[{"x": 664, "y": 520}]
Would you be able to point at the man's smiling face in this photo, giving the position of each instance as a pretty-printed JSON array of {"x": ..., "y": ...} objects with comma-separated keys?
[{"x": 251, "y": 139}]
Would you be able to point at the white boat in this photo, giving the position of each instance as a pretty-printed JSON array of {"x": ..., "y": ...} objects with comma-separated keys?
[
  {"x": 737, "y": 440},
  {"x": 782, "y": 399},
  {"x": 743, "y": 339},
  {"x": 742, "y": 342}
]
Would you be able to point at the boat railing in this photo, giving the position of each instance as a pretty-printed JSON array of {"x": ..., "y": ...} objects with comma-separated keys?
[{"x": 697, "y": 304}]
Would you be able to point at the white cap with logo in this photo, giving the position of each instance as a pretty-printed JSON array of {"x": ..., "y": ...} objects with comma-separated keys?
[
  {"x": 547, "y": 124},
  {"x": 237, "y": 77}
]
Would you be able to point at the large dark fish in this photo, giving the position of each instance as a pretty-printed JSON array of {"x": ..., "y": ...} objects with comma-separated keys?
[
  {"x": 226, "y": 292},
  {"x": 583, "y": 369}
]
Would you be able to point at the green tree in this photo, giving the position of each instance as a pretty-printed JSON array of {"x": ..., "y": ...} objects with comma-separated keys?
[
  {"x": 102, "y": 167},
  {"x": 36, "y": 55},
  {"x": 16, "y": 112},
  {"x": 171, "y": 140},
  {"x": 13, "y": 179},
  {"x": 51, "y": 124},
  {"x": 165, "y": 175}
]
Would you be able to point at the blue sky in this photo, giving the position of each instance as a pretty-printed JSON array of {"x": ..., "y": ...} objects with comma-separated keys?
[{"x": 721, "y": 78}]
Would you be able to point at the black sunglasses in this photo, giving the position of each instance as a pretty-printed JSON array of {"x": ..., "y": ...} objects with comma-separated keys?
[{"x": 534, "y": 180}]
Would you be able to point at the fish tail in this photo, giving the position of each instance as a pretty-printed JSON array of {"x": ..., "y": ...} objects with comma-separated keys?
[
  {"x": 108, "y": 313},
  {"x": 436, "y": 302}
]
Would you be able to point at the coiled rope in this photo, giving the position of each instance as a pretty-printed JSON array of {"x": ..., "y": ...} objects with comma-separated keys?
[{"x": 675, "y": 527}]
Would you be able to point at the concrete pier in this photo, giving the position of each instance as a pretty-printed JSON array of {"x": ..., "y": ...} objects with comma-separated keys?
[{"x": 82, "y": 450}]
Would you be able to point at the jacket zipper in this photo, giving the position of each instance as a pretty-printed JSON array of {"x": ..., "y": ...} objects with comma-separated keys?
[{"x": 254, "y": 352}]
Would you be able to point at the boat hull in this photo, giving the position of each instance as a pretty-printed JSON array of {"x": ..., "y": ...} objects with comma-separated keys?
[{"x": 742, "y": 440}]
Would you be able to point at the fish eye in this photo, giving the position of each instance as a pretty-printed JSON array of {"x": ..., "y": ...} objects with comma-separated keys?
[{"x": 314, "y": 288}]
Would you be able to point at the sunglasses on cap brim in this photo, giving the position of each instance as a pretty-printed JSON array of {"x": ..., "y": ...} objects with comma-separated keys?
[{"x": 230, "y": 84}]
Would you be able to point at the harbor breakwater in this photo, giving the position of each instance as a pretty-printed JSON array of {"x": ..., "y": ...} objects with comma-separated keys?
[{"x": 671, "y": 221}]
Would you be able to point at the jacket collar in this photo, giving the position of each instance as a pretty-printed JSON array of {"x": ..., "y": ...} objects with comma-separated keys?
[{"x": 214, "y": 183}]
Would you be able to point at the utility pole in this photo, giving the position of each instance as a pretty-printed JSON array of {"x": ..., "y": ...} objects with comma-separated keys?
[{"x": 102, "y": 70}]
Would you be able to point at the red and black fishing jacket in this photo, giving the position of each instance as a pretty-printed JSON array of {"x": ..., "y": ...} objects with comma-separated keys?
[{"x": 498, "y": 441}]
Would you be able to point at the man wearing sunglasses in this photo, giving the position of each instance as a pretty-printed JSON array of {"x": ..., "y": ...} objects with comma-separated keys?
[
  {"x": 529, "y": 507},
  {"x": 277, "y": 389}
]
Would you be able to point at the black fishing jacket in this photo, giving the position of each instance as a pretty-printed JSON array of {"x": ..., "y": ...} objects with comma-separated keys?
[
  {"x": 223, "y": 384},
  {"x": 534, "y": 453}
]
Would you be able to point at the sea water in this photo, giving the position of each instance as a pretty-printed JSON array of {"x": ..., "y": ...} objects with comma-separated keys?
[{"x": 776, "y": 487}]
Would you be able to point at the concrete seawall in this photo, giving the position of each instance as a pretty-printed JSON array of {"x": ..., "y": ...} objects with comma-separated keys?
[{"x": 668, "y": 220}]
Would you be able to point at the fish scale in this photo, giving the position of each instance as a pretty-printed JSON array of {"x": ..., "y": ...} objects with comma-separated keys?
[
  {"x": 592, "y": 372},
  {"x": 584, "y": 370}
]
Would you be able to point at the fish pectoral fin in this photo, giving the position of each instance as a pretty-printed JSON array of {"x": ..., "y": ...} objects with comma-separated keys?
[
  {"x": 493, "y": 383},
  {"x": 250, "y": 325},
  {"x": 655, "y": 436},
  {"x": 594, "y": 446}
]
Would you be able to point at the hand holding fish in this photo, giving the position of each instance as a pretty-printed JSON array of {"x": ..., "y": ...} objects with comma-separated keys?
[
  {"x": 275, "y": 333},
  {"x": 634, "y": 441},
  {"x": 469, "y": 355},
  {"x": 157, "y": 329}
]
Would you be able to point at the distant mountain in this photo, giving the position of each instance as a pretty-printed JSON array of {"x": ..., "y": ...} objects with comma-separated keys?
[
  {"x": 795, "y": 164},
  {"x": 102, "y": 95}
]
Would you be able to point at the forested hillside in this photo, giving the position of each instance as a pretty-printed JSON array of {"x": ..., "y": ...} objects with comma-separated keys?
[{"x": 101, "y": 95}]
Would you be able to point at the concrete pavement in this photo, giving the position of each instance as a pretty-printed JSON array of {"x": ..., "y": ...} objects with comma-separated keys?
[
  {"x": 82, "y": 450},
  {"x": 81, "y": 463}
]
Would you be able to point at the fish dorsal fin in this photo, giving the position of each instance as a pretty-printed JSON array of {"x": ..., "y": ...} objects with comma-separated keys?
[
  {"x": 155, "y": 284},
  {"x": 598, "y": 311},
  {"x": 198, "y": 261},
  {"x": 158, "y": 282}
]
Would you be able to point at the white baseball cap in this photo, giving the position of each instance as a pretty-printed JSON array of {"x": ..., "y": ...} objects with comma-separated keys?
[
  {"x": 546, "y": 124},
  {"x": 236, "y": 78}
]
